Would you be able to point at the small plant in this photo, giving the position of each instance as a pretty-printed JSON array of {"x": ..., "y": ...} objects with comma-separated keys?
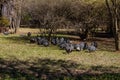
[{"x": 4, "y": 22}]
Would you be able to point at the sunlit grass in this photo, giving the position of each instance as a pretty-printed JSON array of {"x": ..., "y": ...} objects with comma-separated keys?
[
  {"x": 12, "y": 45},
  {"x": 16, "y": 47}
]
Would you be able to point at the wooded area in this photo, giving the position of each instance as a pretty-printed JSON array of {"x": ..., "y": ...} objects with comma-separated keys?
[
  {"x": 59, "y": 39},
  {"x": 85, "y": 16}
]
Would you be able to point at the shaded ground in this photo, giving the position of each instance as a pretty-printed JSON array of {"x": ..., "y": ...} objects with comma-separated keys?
[{"x": 54, "y": 69}]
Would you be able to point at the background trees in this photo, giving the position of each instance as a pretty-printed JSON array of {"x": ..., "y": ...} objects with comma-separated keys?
[
  {"x": 85, "y": 16},
  {"x": 74, "y": 13}
]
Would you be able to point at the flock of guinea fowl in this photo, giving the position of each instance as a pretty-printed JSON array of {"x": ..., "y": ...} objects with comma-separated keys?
[{"x": 63, "y": 43}]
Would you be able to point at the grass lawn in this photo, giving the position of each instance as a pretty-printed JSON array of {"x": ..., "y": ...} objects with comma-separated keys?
[{"x": 20, "y": 60}]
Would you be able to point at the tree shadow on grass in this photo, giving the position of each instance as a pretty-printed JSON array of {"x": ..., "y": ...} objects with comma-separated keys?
[
  {"x": 103, "y": 44},
  {"x": 47, "y": 69},
  {"x": 17, "y": 39},
  {"x": 107, "y": 46}
]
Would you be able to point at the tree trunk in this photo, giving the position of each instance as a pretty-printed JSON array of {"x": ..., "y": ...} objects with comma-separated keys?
[
  {"x": 110, "y": 24},
  {"x": 117, "y": 37},
  {"x": 1, "y": 10},
  {"x": 50, "y": 34}
]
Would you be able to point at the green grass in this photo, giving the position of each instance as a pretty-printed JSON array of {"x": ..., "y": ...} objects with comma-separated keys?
[{"x": 20, "y": 60}]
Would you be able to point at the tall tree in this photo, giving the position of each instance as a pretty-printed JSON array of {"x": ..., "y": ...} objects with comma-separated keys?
[{"x": 112, "y": 6}]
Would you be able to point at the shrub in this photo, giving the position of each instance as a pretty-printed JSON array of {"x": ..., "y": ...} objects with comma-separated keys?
[{"x": 4, "y": 22}]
